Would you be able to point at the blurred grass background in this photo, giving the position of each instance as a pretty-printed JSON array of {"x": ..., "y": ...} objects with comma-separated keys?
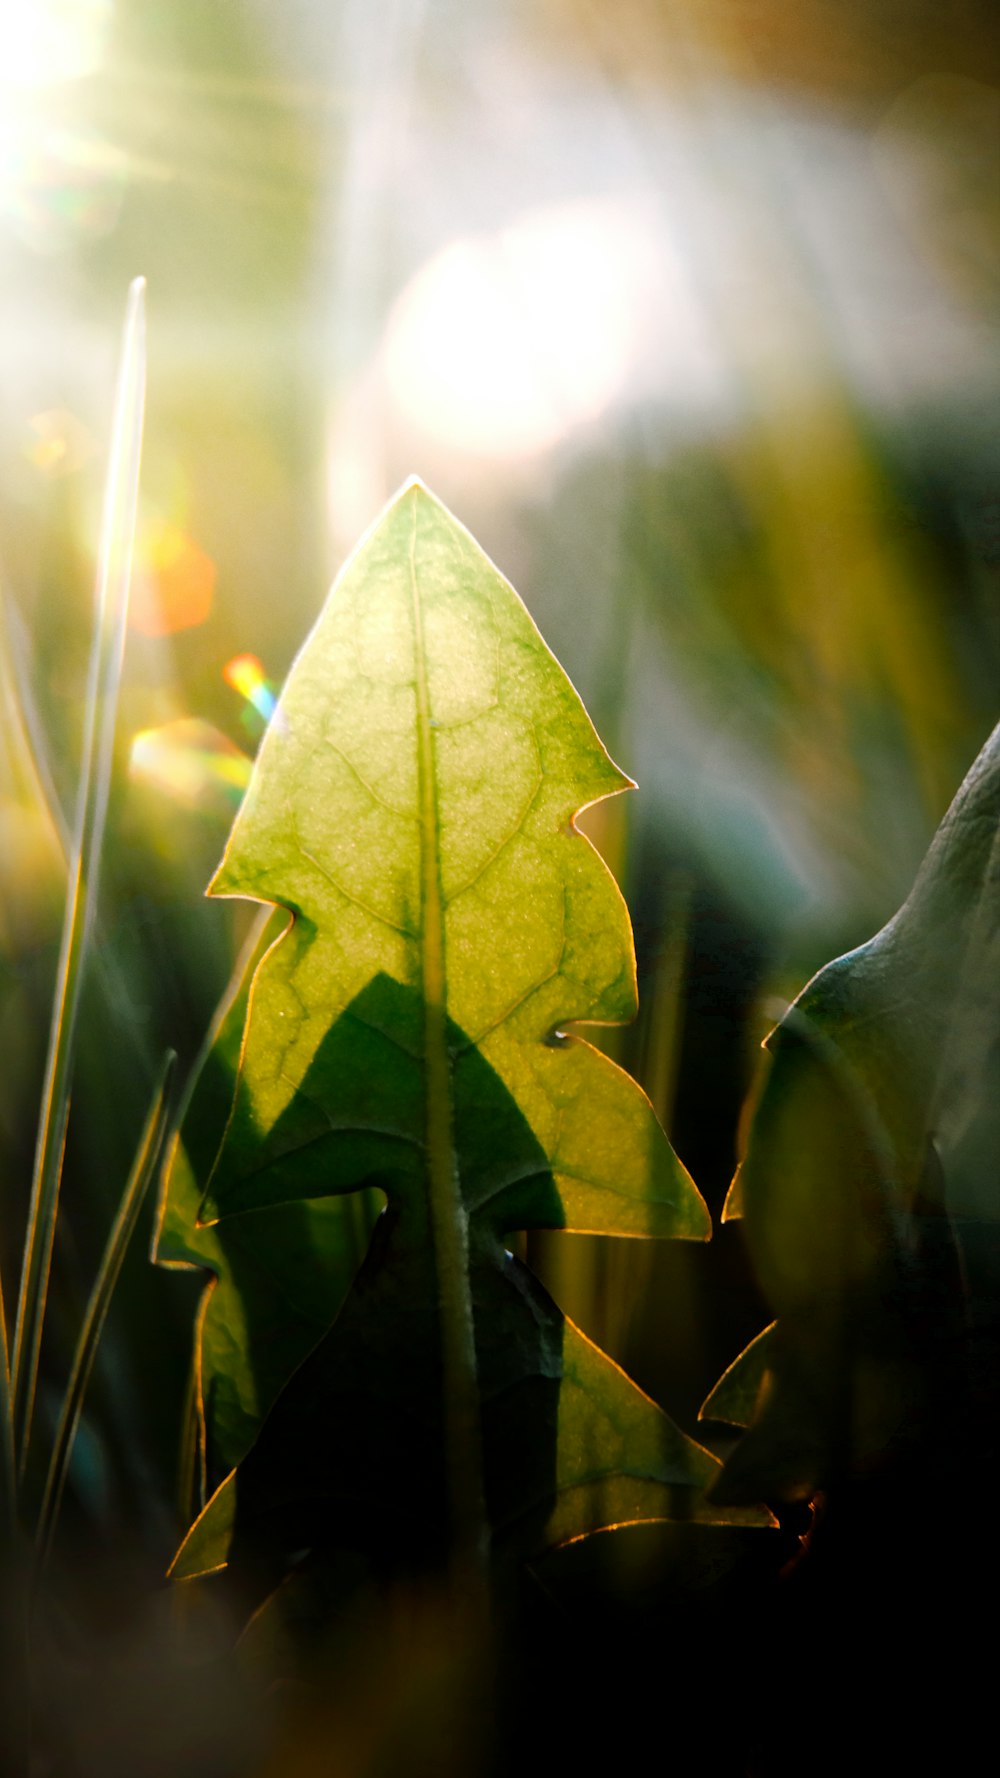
[{"x": 689, "y": 312}]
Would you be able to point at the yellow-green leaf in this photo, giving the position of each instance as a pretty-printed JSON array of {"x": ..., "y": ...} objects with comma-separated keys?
[{"x": 413, "y": 805}]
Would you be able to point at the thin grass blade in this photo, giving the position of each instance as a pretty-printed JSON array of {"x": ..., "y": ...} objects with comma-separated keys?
[
  {"x": 23, "y": 780},
  {"x": 8, "y": 1464},
  {"x": 144, "y": 1168},
  {"x": 114, "y": 569}
]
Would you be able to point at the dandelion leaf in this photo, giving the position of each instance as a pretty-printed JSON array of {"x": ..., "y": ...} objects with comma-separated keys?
[
  {"x": 869, "y": 1189},
  {"x": 413, "y": 807}
]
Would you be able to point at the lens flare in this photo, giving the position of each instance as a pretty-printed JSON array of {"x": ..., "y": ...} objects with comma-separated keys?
[
  {"x": 50, "y": 41},
  {"x": 504, "y": 343},
  {"x": 192, "y": 762},
  {"x": 57, "y": 182},
  {"x": 175, "y": 583},
  {"x": 246, "y": 675},
  {"x": 59, "y": 442},
  {"x": 57, "y": 185}
]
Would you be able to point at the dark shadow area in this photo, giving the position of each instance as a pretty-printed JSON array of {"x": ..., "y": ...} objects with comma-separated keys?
[
  {"x": 289, "y": 1266},
  {"x": 351, "y": 1458}
]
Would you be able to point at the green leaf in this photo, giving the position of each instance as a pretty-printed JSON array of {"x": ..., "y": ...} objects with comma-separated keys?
[
  {"x": 413, "y": 806},
  {"x": 737, "y": 1392},
  {"x": 869, "y": 1187},
  {"x": 278, "y": 1277}
]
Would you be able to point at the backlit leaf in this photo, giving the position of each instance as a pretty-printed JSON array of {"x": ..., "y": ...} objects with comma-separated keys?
[
  {"x": 737, "y": 1392},
  {"x": 413, "y": 806}
]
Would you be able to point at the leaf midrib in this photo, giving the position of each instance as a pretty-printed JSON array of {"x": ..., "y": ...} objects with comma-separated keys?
[{"x": 449, "y": 1221}]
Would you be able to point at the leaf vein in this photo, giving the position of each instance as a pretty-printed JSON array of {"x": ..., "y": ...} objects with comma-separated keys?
[
  {"x": 498, "y": 851},
  {"x": 402, "y": 814},
  {"x": 350, "y": 896}
]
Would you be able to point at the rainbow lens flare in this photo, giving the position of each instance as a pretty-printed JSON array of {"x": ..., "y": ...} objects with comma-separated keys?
[
  {"x": 192, "y": 762},
  {"x": 246, "y": 675}
]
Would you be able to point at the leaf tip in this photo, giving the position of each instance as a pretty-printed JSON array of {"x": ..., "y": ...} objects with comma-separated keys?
[
  {"x": 206, "y": 1546},
  {"x": 208, "y": 1213},
  {"x": 732, "y": 1209},
  {"x": 701, "y": 1227},
  {"x": 414, "y": 491}
]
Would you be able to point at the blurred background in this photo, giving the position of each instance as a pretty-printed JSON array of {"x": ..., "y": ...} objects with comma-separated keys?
[{"x": 689, "y": 312}]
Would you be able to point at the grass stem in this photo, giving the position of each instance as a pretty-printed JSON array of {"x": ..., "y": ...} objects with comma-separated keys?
[
  {"x": 114, "y": 569},
  {"x": 143, "y": 1170}
]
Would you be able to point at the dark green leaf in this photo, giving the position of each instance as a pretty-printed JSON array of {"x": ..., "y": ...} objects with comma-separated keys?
[
  {"x": 871, "y": 1167},
  {"x": 278, "y": 1277},
  {"x": 736, "y": 1394}
]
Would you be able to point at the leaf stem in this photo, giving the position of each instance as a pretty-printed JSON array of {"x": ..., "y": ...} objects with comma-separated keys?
[{"x": 449, "y": 1219}]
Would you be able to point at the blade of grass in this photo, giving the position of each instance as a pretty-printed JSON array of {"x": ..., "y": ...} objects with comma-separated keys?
[
  {"x": 144, "y": 1167},
  {"x": 24, "y": 780},
  {"x": 114, "y": 568},
  {"x": 8, "y": 1465},
  {"x": 26, "y": 734},
  {"x": 30, "y": 778}
]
